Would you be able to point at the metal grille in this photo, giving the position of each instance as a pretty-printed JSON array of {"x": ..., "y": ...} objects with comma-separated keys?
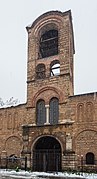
[{"x": 47, "y": 160}]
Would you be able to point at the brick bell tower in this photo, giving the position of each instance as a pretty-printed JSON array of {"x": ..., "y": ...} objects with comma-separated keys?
[
  {"x": 49, "y": 85},
  {"x": 50, "y": 57}
]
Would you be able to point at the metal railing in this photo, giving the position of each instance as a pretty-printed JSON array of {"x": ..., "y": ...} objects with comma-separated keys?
[
  {"x": 69, "y": 165},
  {"x": 13, "y": 163}
]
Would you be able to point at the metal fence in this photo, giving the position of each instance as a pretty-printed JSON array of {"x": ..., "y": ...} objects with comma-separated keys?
[
  {"x": 13, "y": 163},
  {"x": 69, "y": 165},
  {"x": 80, "y": 165}
]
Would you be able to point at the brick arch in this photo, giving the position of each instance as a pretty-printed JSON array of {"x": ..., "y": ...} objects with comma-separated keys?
[
  {"x": 46, "y": 94},
  {"x": 85, "y": 141},
  {"x": 13, "y": 145},
  {"x": 49, "y": 13},
  {"x": 89, "y": 111},
  {"x": 47, "y": 23},
  {"x": 54, "y": 62},
  {"x": 40, "y": 71},
  {"x": 53, "y": 149},
  {"x": 47, "y": 27},
  {"x": 52, "y": 17},
  {"x": 83, "y": 130},
  {"x": 80, "y": 111},
  {"x": 32, "y": 145},
  {"x": 43, "y": 25}
]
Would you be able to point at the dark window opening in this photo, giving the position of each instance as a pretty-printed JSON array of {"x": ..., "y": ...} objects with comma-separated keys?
[
  {"x": 49, "y": 44},
  {"x": 90, "y": 158},
  {"x": 55, "y": 68},
  {"x": 54, "y": 111},
  {"x": 40, "y": 112},
  {"x": 40, "y": 71}
]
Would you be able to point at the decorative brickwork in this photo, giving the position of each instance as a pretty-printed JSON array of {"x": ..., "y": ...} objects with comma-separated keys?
[
  {"x": 80, "y": 112},
  {"x": 55, "y": 127}
]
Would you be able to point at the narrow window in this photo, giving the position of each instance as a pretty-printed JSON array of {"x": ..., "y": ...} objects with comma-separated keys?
[
  {"x": 55, "y": 68},
  {"x": 49, "y": 43},
  {"x": 40, "y": 112},
  {"x": 54, "y": 111},
  {"x": 90, "y": 158},
  {"x": 40, "y": 71}
]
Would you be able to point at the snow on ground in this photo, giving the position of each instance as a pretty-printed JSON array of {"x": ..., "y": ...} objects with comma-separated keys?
[{"x": 11, "y": 174}]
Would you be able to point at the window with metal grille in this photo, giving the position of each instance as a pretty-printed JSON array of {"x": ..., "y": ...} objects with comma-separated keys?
[
  {"x": 54, "y": 111},
  {"x": 55, "y": 68},
  {"x": 40, "y": 71},
  {"x": 40, "y": 112},
  {"x": 49, "y": 43}
]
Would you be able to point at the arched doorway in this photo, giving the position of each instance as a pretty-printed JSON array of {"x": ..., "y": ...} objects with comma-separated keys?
[
  {"x": 47, "y": 154},
  {"x": 90, "y": 158}
]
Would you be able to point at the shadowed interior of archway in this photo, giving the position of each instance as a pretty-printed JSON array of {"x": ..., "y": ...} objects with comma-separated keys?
[
  {"x": 47, "y": 143},
  {"x": 47, "y": 154}
]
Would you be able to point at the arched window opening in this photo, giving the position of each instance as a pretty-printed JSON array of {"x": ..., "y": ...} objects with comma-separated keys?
[
  {"x": 55, "y": 68},
  {"x": 49, "y": 43},
  {"x": 54, "y": 111},
  {"x": 40, "y": 112},
  {"x": 40, "y": 71},
  {"x": 90, "y": 158}
]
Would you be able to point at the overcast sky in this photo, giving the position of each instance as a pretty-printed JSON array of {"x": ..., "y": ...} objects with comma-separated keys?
[{"x": 15, "y": 15}]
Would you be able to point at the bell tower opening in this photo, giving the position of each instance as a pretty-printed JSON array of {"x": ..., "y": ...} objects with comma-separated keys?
[
  {"x": 50, "y": 55},
  {"x": 47, "y": 154},
  {"x": 49, "y": 43}
]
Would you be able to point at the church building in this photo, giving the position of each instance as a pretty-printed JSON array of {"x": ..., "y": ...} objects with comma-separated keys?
[{"x": 54, "y": 129}]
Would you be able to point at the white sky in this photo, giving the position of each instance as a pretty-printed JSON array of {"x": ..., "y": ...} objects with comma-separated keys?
[{"x": 15, "y": 15}]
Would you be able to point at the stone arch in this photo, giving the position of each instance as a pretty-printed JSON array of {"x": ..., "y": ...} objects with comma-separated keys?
[
  {"x": 85, "y": 142},
  {"x": 40, "y": 112},
  {"x": 13, "y": 145},
  {"x": 42, "y": 93},
  {"x": 9, "y": 121},
  {"x": 48, "y": 43},
  {"x": 55, "y": 68},
  {"x": 42, "y": 29},
  {"x": 15, "y": 122},
  {"x": 46, "y": 149},
  {"x": 46, "y": 15},
  {"x": 40, "y": 71},
  {"x": 43, "y": 135},
  {"x": 54, "y": 111},
  {"x": 80, "y": 112},
  {"x": 89, "y": 111},
  {"x": 45, "y": 23}
]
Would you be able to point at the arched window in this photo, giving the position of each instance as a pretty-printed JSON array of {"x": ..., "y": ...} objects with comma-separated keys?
[
  {"x": 40, "y": 112},
  {"x": 54, "y": 111},
  {"x": 49, "y": 43},
  {"x": 90, "y": 158},
  {"x": 40, "y": 71},
  {"x": 55, "y": 68}
]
